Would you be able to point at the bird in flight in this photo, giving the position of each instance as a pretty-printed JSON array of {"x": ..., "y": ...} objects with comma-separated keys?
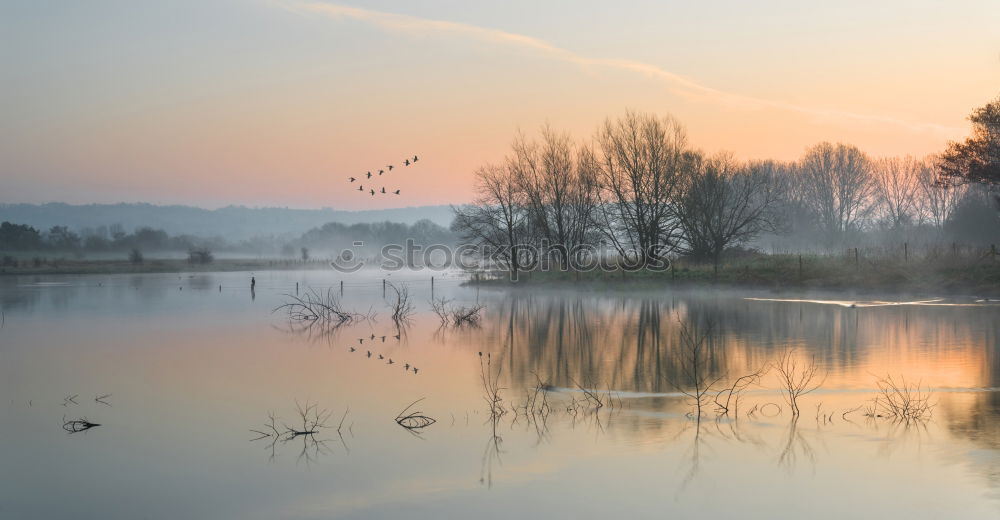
[
  {"x": 406, "y": 162},
  {"x": 380, "y": 356},
  {"x": 390, "y": 361},
  {"x": 380, "y": 172},
  {"x": 369, "y": 353},
  {"x": 415, "y": 158},
  {"x": 353, "y": 179},
  {"x": 361, "y": 188},
  {"x": 352, "y": 349},
  {"x": 369, "y": 175},
  {"x": 396, "y": 192},
  {"x": 383, "y": 189},
  {"x": 373, "y": 193},
  {"x": 389, "y": 166}
]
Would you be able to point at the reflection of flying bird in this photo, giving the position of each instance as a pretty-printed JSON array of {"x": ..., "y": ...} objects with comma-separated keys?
[
  {"x": 361, "y": 340},
  {"x": 383, "y": 339},
  {"x": 380, "y": 356},
  {"x": 352, "y": 349},
  {"x": 415, "y": 370},
  {"x": 406, "y": 366},
  {"x": 373, "y": 336},
  {"x": 383, "y": 189},
  {"x": 390, "y": 361},
  {"x": 369, "y": 353},
  {"x": 396, "y": 336}
]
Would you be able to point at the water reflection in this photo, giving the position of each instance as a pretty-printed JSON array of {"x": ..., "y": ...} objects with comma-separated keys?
[{"x": 586, "y": 396}]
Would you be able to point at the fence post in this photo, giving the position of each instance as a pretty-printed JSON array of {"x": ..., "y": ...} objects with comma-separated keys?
[
  {"x": 906, "y": 251},
  {"x": 857, "y": 257},
  {"x": 341, "y": 287},
  {"x": 800, "y": 267},
  {"x": 383, "y": 287}
]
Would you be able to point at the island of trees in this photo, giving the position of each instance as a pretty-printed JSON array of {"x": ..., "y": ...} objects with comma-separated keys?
[{"x": 640, "y": 190}]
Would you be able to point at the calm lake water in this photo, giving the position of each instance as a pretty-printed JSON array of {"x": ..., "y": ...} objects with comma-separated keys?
[{"x": 191, "y": 370}]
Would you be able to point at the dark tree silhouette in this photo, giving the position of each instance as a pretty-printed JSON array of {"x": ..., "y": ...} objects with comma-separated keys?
[{"x": 977, "y": 159}]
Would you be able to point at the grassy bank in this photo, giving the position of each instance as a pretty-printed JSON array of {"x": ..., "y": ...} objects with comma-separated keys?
[
  {"x": 79, "y": 266},
  {"x": 944, "y": 274}
]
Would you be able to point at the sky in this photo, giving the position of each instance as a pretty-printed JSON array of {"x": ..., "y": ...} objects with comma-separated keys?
[{"x": 278, "y": 102}]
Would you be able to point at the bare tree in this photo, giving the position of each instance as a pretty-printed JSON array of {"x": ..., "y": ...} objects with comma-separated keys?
[
  {"x": 897, "y": 184},
  {"x": 797, "y": 378},
  {"x": 837, "y": 186},
  {"x": 724, "y": 203},
  {"x": 497, "y": 218},
  {"x": 559, "y": 188},
  {"x": 937, "y": 200},
  {"x": 643, "y": 161}
]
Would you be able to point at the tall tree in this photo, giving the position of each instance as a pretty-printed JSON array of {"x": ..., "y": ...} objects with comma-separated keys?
[
  {"x": 977, "y": 159},
  {"x": 936, "y": 200},
  {"x": 897, "y": 183},
  {"x": 559, "y": 189},
  {"x": 643, "y": 161},
  {"x": 497, "y": 218},
  {"x": 723, "y": 204},
  {"x": 837, "y": 186}
]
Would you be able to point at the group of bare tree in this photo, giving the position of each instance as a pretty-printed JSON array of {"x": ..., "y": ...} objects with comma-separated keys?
[{"x": 640, "y": 189}]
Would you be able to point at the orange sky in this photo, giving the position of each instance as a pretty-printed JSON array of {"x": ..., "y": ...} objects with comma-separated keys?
[{"x": 276, "y": 102}]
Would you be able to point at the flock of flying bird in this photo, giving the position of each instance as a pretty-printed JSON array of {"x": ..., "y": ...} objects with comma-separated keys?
[
  {"x": 369, "y": 175},
  {"x": 406, "y": 366}
]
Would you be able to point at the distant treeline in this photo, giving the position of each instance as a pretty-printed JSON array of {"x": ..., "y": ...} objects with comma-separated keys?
[
  {"x": 642, "y": 190},
  {"x": 115, "y": 239},
  {"x": 334, "y": 237}
]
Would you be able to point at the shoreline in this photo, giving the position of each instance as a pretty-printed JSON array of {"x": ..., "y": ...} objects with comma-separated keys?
[{"x": 770, "y": 273}]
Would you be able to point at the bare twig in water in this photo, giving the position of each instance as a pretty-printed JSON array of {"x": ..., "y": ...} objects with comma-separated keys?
[
  {"x": 441, "y": 309},
  {"x": 313, "y": 420},
  {"x": 696, "y": 343},
  {"x": 401, "y": 305},
  {"x": 797, "y": 379},
  {"x": 102, "y": 399},
  {"x": 70, "y": 399},
  {"x": 78, "y": 425},
  {"x": 461, "y": 316},
  {"x": 456, "y": 316},
  {"x": 319, "y": 307},
  {"x": 413, "y": 421},
  {"x": 729, "y": 398},
  {"x": 491, "y": 385},
  {"x": 900, "y": 401}
]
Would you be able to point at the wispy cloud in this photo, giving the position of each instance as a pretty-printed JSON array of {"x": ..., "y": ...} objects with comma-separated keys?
[{"x": 676, "y": 83}]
